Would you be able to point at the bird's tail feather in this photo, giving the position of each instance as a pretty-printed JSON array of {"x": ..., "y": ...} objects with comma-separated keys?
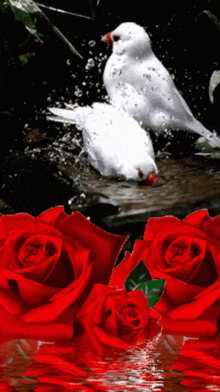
[
  {"x": 63, "y": 114},
  {"x": 72, "y": 115}
]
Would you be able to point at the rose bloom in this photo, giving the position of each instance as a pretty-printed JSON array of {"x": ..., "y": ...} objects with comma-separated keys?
[
  {"x": 113, "y": 317},
  {"x": 48, "y": 265},
  {"x": 187, "y": 254}
]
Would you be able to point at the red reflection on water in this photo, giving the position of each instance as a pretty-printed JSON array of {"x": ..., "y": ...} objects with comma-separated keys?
[
  {"x": 199, "y": 360},
  {"x": 160, "y": 363}
]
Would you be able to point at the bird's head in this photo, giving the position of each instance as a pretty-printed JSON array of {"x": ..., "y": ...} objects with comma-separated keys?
[
  {"x": 129, "y": 38},
  {"x": 147, "y": 170}
]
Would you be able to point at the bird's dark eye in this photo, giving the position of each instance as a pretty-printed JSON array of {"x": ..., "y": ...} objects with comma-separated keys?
[{"x": 116, "y": 38}]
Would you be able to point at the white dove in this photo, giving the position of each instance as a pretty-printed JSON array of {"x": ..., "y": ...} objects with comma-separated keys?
[
  {"x": 138, "y": 82},
  {"x": 116, "y": 144}
]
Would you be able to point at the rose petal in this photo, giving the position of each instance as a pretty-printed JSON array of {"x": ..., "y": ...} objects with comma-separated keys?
[
  {"x": 108, "y": 339},
  {"x": 9, "y": 222},
  {"x": 98, "y": 297},
  {"x": 53, "y": 216},
  {"x": 34, "y": 269},
  {"x": 124, "y": 268},
  {"x": 60, "y": 364},
  {"x": 183, "y": 266},
  {"x": 12, "y": 302},
  {"x": 16, "y": 238},
  {"x": 212, "y": 228},
  {"x": 197, "y": 219},
  {"x": 81, "y": 266},
  {"x": 142, "y": 303},
  {"x": 176, "y": 291},
  {"x": 201, "y": 356},
  {"x": 159, "y": 226},
  {"x": 14, "y": 326},
  {"x": 87, "y": 316},
  {"x": 156, "y": 224},
  {"x": 121, "y": 272},
  {"x": 49, "y": 312},
  {"x": 34, "y": 294},
  {"x": 188, "y": 327},
  {"x": 196, "y": 308},
  {"x": 104, "y": 246}
]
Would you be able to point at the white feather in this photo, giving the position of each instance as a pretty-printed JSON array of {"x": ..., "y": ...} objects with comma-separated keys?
[
  {"x": 139, "y": 83},
  {"x": 116, "y": 144}
]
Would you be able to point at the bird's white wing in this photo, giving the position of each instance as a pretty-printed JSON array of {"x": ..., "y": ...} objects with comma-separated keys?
[{"x": 157, "y": 112}]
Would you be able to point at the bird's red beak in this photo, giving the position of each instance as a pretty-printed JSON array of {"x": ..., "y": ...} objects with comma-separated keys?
[
  {"x": 151, "y": 179},
  {"x": 108, "y": 38}
]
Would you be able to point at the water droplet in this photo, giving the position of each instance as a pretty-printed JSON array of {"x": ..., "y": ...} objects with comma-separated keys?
[
  {"x": 92, "y": 43},
  {"x": 90, "y": 64},
  {"x": 78, "y": 93},
  {"x": 147, "y": 76}
]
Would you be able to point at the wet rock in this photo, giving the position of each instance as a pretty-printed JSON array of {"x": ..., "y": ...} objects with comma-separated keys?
[
  {"x": 91, "y": 203},
  {"x": 183, "y": 186}
]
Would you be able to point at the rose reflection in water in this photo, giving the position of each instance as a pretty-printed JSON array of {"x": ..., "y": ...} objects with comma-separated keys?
[
  {"x": 37, "y": 366},
  {"x": 161, "y": 363}
]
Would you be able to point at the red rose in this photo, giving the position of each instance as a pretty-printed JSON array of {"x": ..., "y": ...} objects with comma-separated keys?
[
  {"x": 113, "y": 317},
  {"x": 48, "y": 264},
  {"x": 187, "y": 254}
]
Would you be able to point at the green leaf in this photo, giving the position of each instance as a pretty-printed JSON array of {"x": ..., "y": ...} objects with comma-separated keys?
[
  {"x": 212, "y": 17},
  {"x": 152, "y": 290},
  {"x": 27, "y": 12},
  {"x": 140, "y": 279},
  {"x": 207, "y": 149},
  {"x": 63, "y": 11},
  {"x": 67, "y": 42},
  {"x": 36, "y": 22},
  {"x": 24, "y": 58},
  {"x": 138, "y": 275}
]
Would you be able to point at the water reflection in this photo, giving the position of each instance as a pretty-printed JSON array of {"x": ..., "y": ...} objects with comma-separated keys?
[{"x": 162, "y": 363}]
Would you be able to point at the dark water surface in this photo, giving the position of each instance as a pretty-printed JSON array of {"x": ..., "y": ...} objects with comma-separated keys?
[
  {"x": 187, "y": 180},
  {"x": 184, "y": 185}
]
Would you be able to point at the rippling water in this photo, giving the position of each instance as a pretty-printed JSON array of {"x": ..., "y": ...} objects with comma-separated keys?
[{"x": 161, "y": 363}]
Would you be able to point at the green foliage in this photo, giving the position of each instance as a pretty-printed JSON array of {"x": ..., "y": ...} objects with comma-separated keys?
[
  {"x": 207, "y": 149},
  {"x": 24, "y": 58},
  {"x": 212, "y": 17},
  {"x": 140, "y": 279},
  {"x": 137, "y": 276},
  {"x": 27, "y": 12},
  {"x": 38, "y": 24}
]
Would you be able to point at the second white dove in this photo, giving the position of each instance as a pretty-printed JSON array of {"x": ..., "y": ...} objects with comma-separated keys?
[{"x": 115, "y": 142}]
